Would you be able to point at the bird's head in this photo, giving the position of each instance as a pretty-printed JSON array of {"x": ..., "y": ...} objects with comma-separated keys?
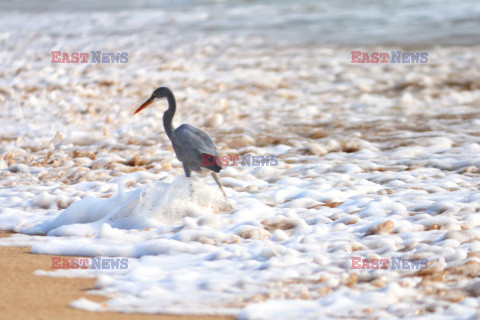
[{"x": 159, "y": 93}]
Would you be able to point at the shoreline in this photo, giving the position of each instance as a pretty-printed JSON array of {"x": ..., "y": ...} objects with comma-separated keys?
[{"x": 28, "y": 296}]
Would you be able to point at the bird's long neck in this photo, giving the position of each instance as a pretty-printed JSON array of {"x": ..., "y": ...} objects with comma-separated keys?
[{"x": 168, "y": 115}]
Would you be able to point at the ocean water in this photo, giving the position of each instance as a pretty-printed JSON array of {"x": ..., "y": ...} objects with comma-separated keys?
[{"x": 344, "y": 22}]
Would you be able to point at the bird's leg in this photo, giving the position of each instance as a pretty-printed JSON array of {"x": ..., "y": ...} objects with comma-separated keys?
[
  {"x": 187, "y": 171},
  {"x": 188, "y": 174},
  {"x": 216, "y": 177}
]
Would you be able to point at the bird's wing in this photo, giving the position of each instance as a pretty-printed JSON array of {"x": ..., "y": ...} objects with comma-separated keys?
[{"x": 189, "y": 137}]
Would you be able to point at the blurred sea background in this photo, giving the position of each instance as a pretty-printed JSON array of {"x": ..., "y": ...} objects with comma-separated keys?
[{"x": 303, "y": 22}]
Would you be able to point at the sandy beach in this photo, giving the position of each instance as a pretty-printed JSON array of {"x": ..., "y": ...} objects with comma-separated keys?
[{"x": 26, "y": 296}]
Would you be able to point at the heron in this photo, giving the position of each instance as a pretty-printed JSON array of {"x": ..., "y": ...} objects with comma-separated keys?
[{"x": 193, "y": 147}]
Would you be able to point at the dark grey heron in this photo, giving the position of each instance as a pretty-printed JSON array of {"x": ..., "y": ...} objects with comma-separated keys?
[{"x": 193, "y": 147}]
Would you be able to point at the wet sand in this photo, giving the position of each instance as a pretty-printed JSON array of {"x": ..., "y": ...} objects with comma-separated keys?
[{"x": 24, "y": 295}]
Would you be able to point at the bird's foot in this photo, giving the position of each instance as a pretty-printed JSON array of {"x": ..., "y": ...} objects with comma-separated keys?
[
  {"x": 229, "y": 206},
  {"x": 190, "y": 184}
]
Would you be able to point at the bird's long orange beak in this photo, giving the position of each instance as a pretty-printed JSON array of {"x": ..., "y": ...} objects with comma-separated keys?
[{"x": 146, "y": 104}]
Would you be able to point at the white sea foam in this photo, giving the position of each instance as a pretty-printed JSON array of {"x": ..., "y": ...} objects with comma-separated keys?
[{"x": 375, "y": 161}]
